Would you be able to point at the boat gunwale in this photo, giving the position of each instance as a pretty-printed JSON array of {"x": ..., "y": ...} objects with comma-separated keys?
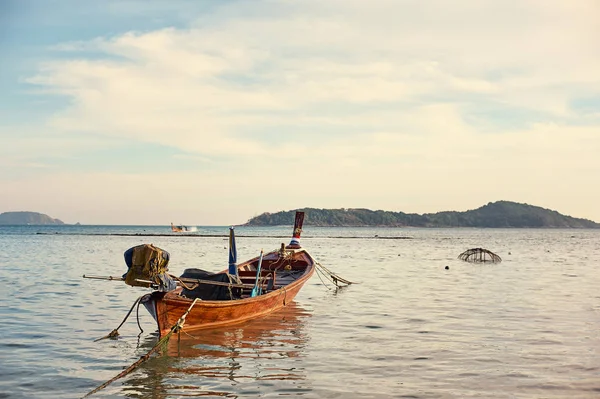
[{"x": 174, "y": 298}]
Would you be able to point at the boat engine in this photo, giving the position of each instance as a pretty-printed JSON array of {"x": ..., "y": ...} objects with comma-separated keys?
[{"x": 150, "y": 265}]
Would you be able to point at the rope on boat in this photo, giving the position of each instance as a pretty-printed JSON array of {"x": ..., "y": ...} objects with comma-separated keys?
[
  {"x": 183, "y": 284},
  {"x": 319, "y": 272},
  {"x": 331, "y": 276},
  {"x": 115, "y": 333},
  {"x": 177, "y": 327}
]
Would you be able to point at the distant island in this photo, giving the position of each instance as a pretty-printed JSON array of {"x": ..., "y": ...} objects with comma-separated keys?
[
  {"x": 495, "y": 214},
  {"x": 20, "y": 218}
]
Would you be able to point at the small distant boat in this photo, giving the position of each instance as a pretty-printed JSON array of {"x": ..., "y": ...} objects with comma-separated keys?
[
  {"x": 182, "y": 228},
  {"x": 246, "y": 291}
]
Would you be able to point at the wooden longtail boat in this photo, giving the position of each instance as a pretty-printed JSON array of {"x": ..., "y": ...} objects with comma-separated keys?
[{"x": 261, "y": 285}]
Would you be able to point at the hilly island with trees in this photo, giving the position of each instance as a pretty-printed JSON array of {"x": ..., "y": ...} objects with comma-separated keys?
[
  {"x": 500, "y": 214},
  {"x": 23, "y": 217}
]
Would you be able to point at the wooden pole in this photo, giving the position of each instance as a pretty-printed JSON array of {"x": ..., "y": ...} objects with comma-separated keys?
[{"x": 111, "y": 278}]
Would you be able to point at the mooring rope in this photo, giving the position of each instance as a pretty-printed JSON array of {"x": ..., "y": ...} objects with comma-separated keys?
[
  {"x": 334, "y": 278},
  {"x": 175, "y": 328},
  {"x": 137, "y": 315},
  {"x": 319, "y": 272},
  {"x": 115, "y": 333}
]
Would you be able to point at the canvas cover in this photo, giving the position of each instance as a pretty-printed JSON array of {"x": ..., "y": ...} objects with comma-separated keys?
[
  {"x": 209, "y": 292},
  {"x": 147, "y": 262}
]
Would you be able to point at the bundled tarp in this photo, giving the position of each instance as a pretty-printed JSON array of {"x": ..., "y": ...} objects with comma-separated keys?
[
  {"x": 210, "y": 292},
  {"x": 149, "y": 263}
]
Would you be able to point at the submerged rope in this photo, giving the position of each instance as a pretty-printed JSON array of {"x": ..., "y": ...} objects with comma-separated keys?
[
  {"x": 115, "y": 333},
  {"x": 177, "y": 327}
]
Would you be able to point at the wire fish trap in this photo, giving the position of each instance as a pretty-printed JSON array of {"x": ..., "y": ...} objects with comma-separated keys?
[{"x": 479, "y": 255}]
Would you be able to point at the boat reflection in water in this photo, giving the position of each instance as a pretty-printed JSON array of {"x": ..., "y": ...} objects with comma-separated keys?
[{"x": 260, "y": 355}]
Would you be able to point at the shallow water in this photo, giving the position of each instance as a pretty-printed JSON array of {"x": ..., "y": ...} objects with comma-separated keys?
[{"x": 528, "y": 327}]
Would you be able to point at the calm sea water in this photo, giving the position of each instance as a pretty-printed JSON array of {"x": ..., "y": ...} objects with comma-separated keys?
[{"x": 528, "y": 327}]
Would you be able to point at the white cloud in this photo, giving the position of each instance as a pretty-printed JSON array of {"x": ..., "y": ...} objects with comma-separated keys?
[{"x": 365, "y": 101}]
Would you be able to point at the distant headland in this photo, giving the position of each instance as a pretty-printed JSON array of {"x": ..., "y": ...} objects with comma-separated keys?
[
  {"x": 500, "y": 214},
  {"x": 33, "y": 218}
]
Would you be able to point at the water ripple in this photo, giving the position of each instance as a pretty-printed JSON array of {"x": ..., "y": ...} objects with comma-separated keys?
[{"x": 411, "y": 329}]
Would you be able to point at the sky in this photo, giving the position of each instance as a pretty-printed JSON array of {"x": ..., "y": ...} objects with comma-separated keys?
[{"x": 212, "y": 112}]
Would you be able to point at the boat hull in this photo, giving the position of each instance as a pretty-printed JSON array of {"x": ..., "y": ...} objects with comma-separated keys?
[{"x": 168, "y": 307}]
